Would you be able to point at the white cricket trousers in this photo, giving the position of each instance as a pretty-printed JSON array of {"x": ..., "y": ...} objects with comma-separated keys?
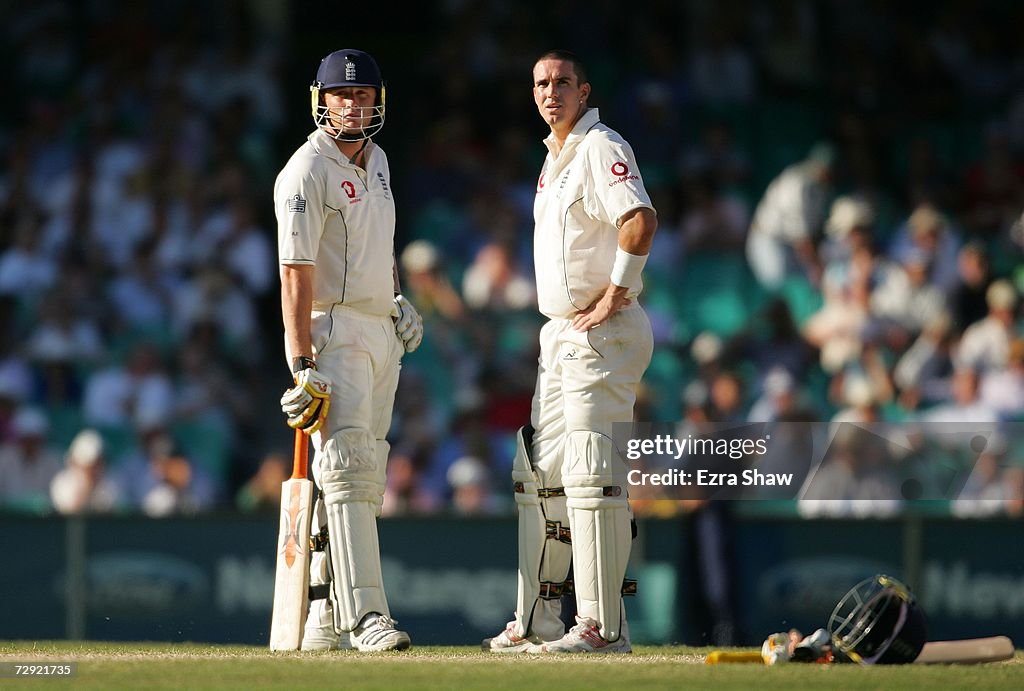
[
  {"x": 587, "y": 382},
  {"x": 361, "y": 356}
]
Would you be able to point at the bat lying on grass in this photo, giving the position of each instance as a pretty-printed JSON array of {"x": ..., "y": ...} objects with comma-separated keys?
[
  {"x": 291, "y": 582},
  {"x": 965, "y": 652}
]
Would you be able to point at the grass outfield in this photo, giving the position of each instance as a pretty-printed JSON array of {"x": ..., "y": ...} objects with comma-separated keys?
[{"x": 193, "y": 666}]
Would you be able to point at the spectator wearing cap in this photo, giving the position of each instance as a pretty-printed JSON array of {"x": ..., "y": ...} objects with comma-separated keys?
[
  {"x": 427, "y": 283},
  {"x": 28, "y": 464},
  {"x": 779, "y": 393},
  {"x": 848, "y": 227},
  {"x": 906, "y": 301},
  {"x": 83, "y": 486},
  {"x": 706, "y": 350},
  {"x": 985, "y": 344},
  {"x": 859, "y": 400},
  {"x": 469, "y": 480},
  {"x": 851, "y": 272},
  {"x": 160, "y": 480},
  {"x": 928, "y": 233},
  {"x": 695, "y": 400}
]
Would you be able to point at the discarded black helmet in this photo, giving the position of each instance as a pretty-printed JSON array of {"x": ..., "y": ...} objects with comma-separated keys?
[{"x": 879, "y": 622}]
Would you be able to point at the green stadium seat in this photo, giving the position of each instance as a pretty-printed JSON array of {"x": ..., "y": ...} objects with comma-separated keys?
[
  {"x": 665, "y": 378},
  {"x": 802, "y": 297},
  {"x": 712, "y": 293}
]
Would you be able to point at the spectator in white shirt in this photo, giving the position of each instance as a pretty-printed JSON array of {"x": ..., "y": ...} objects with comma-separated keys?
[{"x": 985, "y": 345}]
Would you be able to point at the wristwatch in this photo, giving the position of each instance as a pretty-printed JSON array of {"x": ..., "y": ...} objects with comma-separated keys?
[{"x": 302, "y": 362}]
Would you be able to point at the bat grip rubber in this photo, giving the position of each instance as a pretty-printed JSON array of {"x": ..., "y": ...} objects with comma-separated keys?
[{"x": 300, "y": 458}]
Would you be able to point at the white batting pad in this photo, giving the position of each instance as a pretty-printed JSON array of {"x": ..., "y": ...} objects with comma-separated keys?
[
  {"x": 351, "y": 490},
  {"x": 383, "y": 450},
  {"x": 601, "y": 536},
  {"x": 355, "y": 557},
  {"x": 540, "y": 559}
]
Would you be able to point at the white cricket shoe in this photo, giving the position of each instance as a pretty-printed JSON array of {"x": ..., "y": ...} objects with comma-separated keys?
[
  {"x": 585, "y": 637},
  {"x": 377, "y": 632},
  {"x": 508, "y": 642},
  {"x": 319, "y": 633}
]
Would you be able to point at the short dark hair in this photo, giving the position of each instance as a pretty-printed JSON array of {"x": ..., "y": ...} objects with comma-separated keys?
[{"x": 577, "y": 65}]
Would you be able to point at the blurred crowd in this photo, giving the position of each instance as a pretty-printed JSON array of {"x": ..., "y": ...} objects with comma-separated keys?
[{"x": 840, "y": 189}]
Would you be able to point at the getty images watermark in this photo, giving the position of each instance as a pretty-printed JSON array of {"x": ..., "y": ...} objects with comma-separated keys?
[
  {"x": 676, "y": 448},
  {"x": 821, "y": 461}
]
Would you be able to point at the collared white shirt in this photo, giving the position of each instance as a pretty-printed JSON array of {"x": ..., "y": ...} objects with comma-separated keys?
[
  {"x": 582, "y": 194},
  {"x": 340, "y": 218}
]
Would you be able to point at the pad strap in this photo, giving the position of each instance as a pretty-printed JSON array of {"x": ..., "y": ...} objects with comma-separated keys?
[
  {"x": 554, "y": 591},
  {"x": 320, "y": 541},
  {"x": 543, "y": 492},
  {"x": 320, "y": 592},
  {"x": 554, "y": 530}
]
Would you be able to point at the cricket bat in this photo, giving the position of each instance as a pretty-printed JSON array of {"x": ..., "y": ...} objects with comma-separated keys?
[
  {"x": 969, "y": 651},
  {"x": 291, "y": 582}
]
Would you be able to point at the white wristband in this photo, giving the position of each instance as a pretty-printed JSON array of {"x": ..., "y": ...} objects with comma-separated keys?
[{"x": 627, "y": 268}]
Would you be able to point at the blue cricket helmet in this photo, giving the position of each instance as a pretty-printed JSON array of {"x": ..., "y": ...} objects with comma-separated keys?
[{"x": 344, "y": 68}]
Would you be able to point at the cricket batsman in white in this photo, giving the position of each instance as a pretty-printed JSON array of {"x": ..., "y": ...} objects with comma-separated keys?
[
  {"x": 346, "y": 328},
  {"x": 594, "y": 228}
]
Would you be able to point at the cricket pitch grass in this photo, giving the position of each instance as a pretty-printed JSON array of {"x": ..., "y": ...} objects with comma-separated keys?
[{"x": 201, "y": 666}]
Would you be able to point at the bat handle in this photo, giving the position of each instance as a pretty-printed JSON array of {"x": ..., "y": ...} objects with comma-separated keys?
[{"x": 300, "y": 459}]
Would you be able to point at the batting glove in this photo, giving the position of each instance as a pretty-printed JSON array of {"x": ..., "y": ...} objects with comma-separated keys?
[
  {"x": 778, "y": 647},
  {"x": 408, "y": 323},
  {"x": 306, "y": 404}
]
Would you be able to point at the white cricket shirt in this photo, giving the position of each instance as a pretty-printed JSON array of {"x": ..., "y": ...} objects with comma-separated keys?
[
  {"x": 340, "y": 218},
  {"x": 582, "y": 194}
]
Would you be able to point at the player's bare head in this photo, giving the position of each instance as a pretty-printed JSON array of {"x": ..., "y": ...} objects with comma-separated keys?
[
  {"x": 567, "y": 56},
  {"x": 348, "y": 96},
  {"x": 560, "y": 89}
]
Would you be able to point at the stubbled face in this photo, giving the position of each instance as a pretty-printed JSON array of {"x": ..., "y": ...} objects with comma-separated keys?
[
  {"x": 559, "y": 96},
  {"x": 351, "y": 107}
]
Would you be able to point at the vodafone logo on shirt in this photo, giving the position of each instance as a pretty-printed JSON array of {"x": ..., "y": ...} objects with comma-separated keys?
[
  {"x": 621, "y": 171},
  {"x": 540, "y": 182},
  {"x": 350, "y": 191}
]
